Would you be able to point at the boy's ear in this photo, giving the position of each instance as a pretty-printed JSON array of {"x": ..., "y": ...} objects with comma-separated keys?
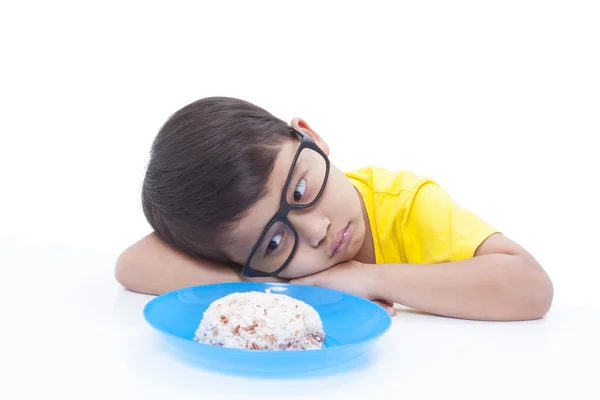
[{"x": 300, "y": 124}]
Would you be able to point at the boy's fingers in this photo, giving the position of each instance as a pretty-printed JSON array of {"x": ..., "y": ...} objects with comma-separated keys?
[{"x": 387, "y": 305}]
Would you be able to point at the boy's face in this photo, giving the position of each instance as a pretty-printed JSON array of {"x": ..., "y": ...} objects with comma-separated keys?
[{"x": 337, "y": 215}]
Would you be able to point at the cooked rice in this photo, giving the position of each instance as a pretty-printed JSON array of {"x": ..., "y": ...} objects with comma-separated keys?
[{"x": 261, "y": 321}]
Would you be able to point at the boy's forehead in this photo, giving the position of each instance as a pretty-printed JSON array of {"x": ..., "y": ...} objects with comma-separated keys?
[{"x": 252, "y": 224}]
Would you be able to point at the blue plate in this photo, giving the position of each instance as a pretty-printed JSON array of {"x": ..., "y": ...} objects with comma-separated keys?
[{"x": 351, "y": 324}]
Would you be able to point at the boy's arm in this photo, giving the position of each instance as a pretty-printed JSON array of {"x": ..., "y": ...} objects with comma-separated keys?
[
  {"x": 151, "y": 266},
  {"x": 502, "y": 282}
]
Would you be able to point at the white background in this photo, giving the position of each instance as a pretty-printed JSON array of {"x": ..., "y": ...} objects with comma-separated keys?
[{"x": 497, "y": 101}]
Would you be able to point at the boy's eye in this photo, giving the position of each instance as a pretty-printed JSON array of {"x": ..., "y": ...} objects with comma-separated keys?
[
  {"x": 274, "y": 243},
  {"x": 300, "y": 190}
]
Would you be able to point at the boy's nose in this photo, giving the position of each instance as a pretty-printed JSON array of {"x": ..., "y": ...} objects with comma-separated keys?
[{"x": 312, "y": 228}]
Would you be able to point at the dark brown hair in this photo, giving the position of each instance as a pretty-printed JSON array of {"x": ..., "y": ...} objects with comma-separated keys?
[{"x": 209, "y": 163}]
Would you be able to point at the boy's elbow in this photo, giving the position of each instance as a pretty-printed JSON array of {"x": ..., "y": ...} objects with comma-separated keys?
[
  {"x": 544, "y": 301},
  {"x": 123, "y": 270},
  {"x": 539, "y": 297},
  {"x": 128, "y": 272}
]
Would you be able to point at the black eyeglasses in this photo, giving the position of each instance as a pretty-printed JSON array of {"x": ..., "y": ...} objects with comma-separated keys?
[{"x": 303, "y": 187}]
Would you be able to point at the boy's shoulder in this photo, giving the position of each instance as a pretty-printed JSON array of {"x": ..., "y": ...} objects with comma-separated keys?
[{"x": 383, "y": 181}]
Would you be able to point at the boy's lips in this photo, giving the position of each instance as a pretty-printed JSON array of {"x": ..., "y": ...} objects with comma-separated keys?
[{"x": 341, "y": 240}]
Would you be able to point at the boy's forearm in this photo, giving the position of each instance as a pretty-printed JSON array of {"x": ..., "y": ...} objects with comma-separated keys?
[
  {"x": 150, "y": 266},
  {"x": 487, "y": 287}
]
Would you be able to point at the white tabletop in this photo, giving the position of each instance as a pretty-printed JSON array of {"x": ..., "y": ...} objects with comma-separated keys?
[{"x": 72, "y": 330}]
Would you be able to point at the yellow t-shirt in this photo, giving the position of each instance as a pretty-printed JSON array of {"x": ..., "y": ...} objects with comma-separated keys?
[{"x": 414, "y": 220}]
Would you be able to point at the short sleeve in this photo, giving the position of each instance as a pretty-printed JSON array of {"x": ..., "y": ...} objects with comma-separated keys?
[{"x": 438, "y": 230}]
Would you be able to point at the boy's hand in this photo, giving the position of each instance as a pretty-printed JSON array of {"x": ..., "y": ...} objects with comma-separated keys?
[{"x": 350, "y": 277}]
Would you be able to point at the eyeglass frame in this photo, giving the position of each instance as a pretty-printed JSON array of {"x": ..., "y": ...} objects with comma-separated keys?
[{"x": 306, "y": 142}]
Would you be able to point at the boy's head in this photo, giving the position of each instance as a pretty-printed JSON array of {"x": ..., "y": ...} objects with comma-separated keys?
[{"x": 215, "y": 180}]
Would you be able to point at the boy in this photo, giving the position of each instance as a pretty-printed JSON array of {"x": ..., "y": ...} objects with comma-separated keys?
[{"x": 234, "y": 193}]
